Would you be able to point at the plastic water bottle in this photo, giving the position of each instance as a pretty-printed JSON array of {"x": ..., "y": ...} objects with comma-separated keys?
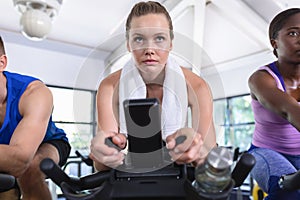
[{"x": 214, "y": 175}]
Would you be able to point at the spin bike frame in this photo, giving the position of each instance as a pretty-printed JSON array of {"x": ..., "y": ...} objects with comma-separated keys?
[{"x": 172, "y": 182}]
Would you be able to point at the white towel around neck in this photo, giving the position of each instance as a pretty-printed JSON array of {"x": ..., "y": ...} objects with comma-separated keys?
[{"x": 175, "y": 99}]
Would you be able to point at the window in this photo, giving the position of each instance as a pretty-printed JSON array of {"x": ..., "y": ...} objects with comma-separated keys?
[
  {"x": 234, "y": 121},
  {"x": 74, "y": 112}
]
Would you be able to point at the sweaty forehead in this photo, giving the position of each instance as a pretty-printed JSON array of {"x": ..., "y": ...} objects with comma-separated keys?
[{"x": 150, "y": 20}]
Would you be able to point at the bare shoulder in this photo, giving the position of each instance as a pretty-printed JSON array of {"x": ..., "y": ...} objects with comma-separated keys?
[
  {"x": 197, "y": 89},
  {"x": 38, "y": 97},
  {"x": 193, "y": 79},
  {"x": 261, "y": 78},
  {"x": 37, "y": 89},
  {"x": 111, "y": 81},
  {"x": 258, "y": 75}
]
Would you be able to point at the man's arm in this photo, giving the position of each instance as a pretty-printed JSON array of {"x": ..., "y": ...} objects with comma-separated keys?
[{"x": 36, "y": 107}]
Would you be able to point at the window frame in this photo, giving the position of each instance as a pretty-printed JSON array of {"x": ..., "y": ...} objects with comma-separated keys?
[
  {"x": 93, "y": 122},
  {"x": 228, "y": 118}
]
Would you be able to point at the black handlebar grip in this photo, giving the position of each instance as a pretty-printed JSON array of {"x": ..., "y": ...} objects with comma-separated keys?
[
  {"x": 290, "y": 181},
  {"x": 93, "y": 180},
  {"x": 242, "y": 169},
  {"x": 7, "y": 182},
  {"x": 78, "y": 154},
  {"x": 109, "y": 142},
  {"x": 180, "y": 139},
  {"x": 236, "y": 153},
  {"x": 53, "y": 171},
  {"x": 86, "y": 159}
]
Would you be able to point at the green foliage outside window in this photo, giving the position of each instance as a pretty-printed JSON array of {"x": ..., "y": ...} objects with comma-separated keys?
[{"x": 234, "y": 121}]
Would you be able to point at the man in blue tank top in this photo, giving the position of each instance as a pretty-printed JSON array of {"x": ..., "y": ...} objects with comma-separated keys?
[{"x": 27, "y": 132}]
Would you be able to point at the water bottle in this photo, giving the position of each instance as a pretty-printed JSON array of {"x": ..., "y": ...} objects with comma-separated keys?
[{"x": 214, "y": 175}]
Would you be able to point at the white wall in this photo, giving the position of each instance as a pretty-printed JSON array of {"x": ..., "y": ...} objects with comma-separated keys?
[
  {"x": 231, "y": 78},
  {"x": 54, "y": 62}
]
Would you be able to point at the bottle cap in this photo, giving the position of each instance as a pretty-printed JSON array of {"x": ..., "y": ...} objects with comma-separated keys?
[{"x": 220, "y": 158}]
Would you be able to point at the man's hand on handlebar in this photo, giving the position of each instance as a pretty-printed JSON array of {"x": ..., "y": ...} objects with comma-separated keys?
[{"x": 104, "y": 154}]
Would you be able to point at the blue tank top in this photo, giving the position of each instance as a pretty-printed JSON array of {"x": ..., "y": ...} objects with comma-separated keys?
[{"x": 16, "y": 85}]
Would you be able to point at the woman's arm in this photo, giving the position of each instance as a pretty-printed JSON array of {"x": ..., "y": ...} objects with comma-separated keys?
[
  {"x": 201, "y": 137},
  {"x": 264, "y": 89},
  {"x": 201, "y": 103},
  {"x": 107, "y": 110}
]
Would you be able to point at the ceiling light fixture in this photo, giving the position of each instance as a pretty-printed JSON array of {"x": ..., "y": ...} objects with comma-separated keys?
[{"x": 37, "y": 17}]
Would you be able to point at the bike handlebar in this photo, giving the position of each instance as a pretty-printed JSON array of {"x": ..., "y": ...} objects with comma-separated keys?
[
  {"x": 58, "y": 176},
  {"x": 290, "y": 181},
  {"x": 242, "y": 169},
  {"x": 7, "y": 182},
  {"x": 86, "y": 159},
  {"x": 75, "y": 185}
]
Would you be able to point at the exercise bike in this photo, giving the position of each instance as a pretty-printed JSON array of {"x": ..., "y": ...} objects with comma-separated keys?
[{"x": 170, "y": 182}]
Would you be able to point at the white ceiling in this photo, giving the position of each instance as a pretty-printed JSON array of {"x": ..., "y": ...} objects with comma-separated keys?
[
  {"x": 79, "y": 22},
  {"x": 232, "y": 29}
]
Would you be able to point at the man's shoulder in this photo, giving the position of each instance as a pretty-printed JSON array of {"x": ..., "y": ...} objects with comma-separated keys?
[
  {"x": 18, "y": 76},
  {"x": 19, "y": 83}
]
